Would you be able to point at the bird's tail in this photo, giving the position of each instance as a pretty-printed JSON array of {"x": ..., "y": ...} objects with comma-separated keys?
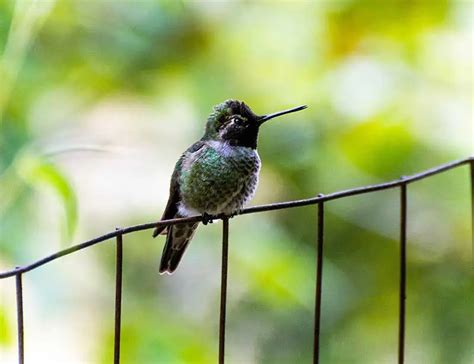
[
  {"x": 177, "y": 240},
  {"x": 160, "y": 230}
]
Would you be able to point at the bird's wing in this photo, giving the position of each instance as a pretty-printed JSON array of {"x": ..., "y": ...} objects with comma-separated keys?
[{"x": 174, "y": 198}]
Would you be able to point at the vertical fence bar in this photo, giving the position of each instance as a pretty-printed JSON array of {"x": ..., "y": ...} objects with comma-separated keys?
[
  {"x": 471, "y": 167},
  {"x": 319, "y": 282},
  {"x": 19, "y": 315},
  {"x": 225, "y": 254},
  {"x": 118, "y": 297},
  {"x": 403, "y": 272}
]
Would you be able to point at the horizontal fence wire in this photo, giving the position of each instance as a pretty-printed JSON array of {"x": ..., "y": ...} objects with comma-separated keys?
[
  {"x": 249, "y": 210},
  {"x": 320, "y": 200}
]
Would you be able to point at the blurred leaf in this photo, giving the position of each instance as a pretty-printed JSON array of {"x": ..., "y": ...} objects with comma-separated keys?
[
  {"x": 40, "y": 172},
  {"x": 27, "y": 20},
  {"x": 351, "y": 24},
  {"x": 10, "y": 188},
  {"x": 5, "y": 328},
  {"x": 158, "y": 339},
  {"x": 379, "y": 147}
]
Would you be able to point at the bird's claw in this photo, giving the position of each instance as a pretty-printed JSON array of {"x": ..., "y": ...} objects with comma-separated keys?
[
  {"x": 206, "y": 218},
  {"x": 235, "y": 213}
]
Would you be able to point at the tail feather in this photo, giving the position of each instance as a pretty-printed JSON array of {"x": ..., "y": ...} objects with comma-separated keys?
[
  {"x": 177, "y": 241},
  {"x": 160, "y": 230}
]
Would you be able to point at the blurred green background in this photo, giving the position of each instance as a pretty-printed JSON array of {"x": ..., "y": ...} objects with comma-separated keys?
[{"x": 99, "y": 98}]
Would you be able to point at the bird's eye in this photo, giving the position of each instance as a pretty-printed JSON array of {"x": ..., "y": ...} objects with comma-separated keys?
[{"x": 237, "y": 121}]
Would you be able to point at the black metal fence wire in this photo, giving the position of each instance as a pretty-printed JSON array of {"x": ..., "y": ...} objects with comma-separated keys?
[{"x": 320, "y": 200}]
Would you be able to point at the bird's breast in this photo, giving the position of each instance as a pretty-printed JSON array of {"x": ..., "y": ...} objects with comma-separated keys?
[{"x": 221, "y": 176}]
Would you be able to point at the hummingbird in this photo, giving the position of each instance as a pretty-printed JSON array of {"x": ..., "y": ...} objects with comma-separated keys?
[{"x": 217, "y": 175}]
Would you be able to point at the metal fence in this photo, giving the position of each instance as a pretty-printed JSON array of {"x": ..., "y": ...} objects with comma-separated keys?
[{"x": 320, "y": 201}]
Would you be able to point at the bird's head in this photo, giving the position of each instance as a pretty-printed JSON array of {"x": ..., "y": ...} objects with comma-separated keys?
[{"x": 234, "y": 122}]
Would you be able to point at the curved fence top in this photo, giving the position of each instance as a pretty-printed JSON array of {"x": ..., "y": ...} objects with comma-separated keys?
[
  {"x": 268, "y": 207},
  {"x": 320, "y": 200}
]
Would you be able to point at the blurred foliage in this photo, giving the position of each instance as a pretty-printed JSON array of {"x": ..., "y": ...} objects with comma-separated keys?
[{"x": 99, "y": 98}]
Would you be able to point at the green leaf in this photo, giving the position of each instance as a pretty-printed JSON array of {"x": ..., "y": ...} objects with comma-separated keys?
[
  {"x": 5, "y": 328},
  {"x": 39, "y": 172},
  {"x": 380, "y": 147}
]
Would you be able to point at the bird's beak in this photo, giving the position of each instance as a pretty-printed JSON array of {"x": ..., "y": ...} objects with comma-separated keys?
[{"x": 264, "y": 118}]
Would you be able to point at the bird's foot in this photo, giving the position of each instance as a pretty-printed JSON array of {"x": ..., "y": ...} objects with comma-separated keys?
[
  {"x": 233, "y": 214},
  {"x": 228, "y": 216},
  {"x": 206, "y": 218}
]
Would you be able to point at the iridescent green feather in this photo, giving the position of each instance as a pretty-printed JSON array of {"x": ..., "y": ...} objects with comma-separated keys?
[{"x": 216, "y": 117}]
